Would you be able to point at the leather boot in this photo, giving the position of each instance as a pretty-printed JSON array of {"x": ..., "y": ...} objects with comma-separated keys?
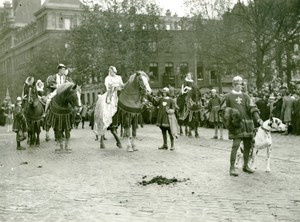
[
  {"x": 233, "y": 171},
  {"x": 164, "y": 146},
  {"x": 246, "y": 167},
  {"x": 172, "y": 144},
  {"x": 19, "y": 147}
]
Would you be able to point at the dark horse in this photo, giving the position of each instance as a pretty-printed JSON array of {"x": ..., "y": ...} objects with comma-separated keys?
[
  {"x": 33, "y": 111},
  {"x": 61, "y": 113},
  {"x": 128, "y": 113},
  {"x": 190, "y": 108}
]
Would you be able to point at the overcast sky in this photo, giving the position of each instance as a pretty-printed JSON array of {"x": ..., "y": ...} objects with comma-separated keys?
[{"x": 174, "y": 5}]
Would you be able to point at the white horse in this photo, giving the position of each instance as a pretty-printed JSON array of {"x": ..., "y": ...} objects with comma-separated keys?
[{"x": 128, "y": 112}]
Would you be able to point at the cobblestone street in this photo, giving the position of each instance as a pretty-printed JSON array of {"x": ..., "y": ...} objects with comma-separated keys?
[{"x": 93, "y": 184}]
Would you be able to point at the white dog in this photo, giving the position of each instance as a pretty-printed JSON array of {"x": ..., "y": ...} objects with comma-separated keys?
[{"x": 263, "y": 140}]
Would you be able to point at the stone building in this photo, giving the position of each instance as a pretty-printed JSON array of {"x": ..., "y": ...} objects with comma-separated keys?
[{"x": 27, "y": 25}]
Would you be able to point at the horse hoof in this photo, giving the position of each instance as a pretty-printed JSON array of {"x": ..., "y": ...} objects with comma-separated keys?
[
  {"x": 129, "y": 149},
  {"x": 119, "y": 145},
  {"x": 47, "y": 139},
  {"x": 102, "y": 146},
  {"x": 68, "y": 150},
  {"x": 59, "y": 150},
  {"x": 197, "y": 136}
]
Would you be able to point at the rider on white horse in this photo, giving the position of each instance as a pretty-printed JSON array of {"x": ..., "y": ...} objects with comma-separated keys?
[{"x": 113, "y": 84}]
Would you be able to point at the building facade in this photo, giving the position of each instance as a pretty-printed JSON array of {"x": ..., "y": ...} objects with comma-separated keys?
[{"x": 26, "y": 26}]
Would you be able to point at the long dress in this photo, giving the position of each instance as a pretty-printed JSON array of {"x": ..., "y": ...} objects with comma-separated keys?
[{"x": 111, "y": 99}]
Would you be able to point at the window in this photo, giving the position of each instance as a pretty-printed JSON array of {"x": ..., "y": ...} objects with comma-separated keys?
[
  {"x": 184, "y": 69},
  {"x": 67, "y": 23},
  {"x": 61, "y": 22},
  {"x": 169, "y": 69},
  {"x": 152, "y": 46},
  {"x": 153, "y": 70},
  {"x": 213, "y": 75}
]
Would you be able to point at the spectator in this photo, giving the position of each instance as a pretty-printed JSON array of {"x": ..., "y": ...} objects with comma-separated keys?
[
  {"x": 83, "y": 114},
  {"x": 286, "y": 110},
  {"x": 262, "y": 105}
]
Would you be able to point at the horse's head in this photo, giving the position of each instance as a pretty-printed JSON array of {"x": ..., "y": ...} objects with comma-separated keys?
[
  {"x": 195, "y": 94},
  {"x": 30, "y": 90},
  {"x": 69, "y": 93},
  {"x": 143, "y": 82}
]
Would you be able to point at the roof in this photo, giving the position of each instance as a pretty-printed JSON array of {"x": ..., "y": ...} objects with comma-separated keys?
[
  {"x": 24, "y": 10},
  {"x": 60, "y": 2}
]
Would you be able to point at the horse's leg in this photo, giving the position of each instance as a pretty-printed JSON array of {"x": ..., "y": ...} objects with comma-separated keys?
[
  {"x": 67, "y": 140},
  {"x": 180, "y": 130},
  {"x": 196, "y": 129},
  {"x": 47, "y": 133},
  {"x": 189, "y": 131},
  {"x": 186, "y": 129},
  {"x": 59, "y": 139},
  {"x": 127, "y": 135},
  {"x": 133, "y": 139},
  {"x": 113, "y": 131},
  {"x": 102, "y": 145}
]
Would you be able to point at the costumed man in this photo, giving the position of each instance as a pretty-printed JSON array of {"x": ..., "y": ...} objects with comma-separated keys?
[
  {"x": 19, "y": 125},
  {"x": 188, "y": 83},
  {"x": 239, "y": 114},
  {"x": 214, "y": 115},
  {"x": 166, "y": 119},
  {"x": 56, "y": 80}
]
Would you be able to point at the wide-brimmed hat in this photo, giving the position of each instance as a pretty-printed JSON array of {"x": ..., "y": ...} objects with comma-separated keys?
[{"x": 19, "y": 98}]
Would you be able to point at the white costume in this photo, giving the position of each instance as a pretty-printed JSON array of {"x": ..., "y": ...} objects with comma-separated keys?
[{"x": 113, "y": 83}]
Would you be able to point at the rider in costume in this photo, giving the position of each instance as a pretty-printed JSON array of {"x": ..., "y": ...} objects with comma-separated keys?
[
  {"x": 54, "y": 81},
  {"x": 188, "y": 83}
]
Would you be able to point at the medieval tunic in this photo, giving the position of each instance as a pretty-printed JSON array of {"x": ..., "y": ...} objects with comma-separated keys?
[
  {"x": 164, "y": 104},
  {"x": 214, "y": 107},
  {"x": 19, "y": 125},
  {"x": 246, "y": 109}
]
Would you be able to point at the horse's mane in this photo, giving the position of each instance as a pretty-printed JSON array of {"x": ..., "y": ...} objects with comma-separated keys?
[
  {"x": 64, "y": 87},
  {"x": 195, "y": 90},
  {"x": 132, "y": 77}
]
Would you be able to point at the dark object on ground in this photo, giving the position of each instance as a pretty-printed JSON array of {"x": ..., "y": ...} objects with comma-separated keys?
[{"x": 160, "y": 180}]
